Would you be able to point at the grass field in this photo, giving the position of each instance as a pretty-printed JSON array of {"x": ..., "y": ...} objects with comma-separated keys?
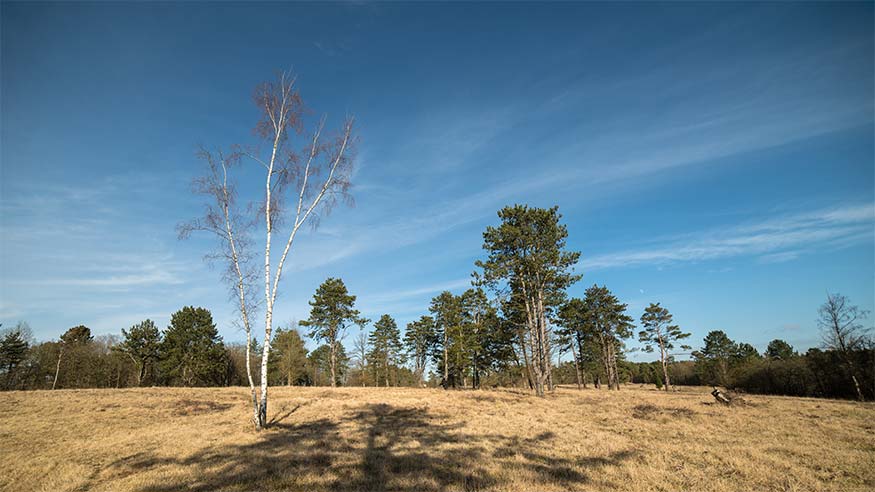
[{"x": 157, "y": 439}]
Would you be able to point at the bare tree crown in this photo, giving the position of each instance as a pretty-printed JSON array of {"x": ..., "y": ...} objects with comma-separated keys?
[{"x": 318, "y": 174}]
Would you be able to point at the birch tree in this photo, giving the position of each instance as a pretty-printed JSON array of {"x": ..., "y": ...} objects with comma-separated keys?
[
  {"x": 74, "y": 338},
  {"x": 311, "y": 178},
  {"x": 360, "y": 350},
  {"x": 659, "y": 332}
]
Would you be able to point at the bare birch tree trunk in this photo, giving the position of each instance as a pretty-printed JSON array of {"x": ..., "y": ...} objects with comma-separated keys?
[
  {"x": 58, "y": 367},
  {"x": 282, "y": 111}
]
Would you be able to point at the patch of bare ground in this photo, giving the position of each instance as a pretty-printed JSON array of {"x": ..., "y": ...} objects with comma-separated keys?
[{"x": 376, "y": 439}]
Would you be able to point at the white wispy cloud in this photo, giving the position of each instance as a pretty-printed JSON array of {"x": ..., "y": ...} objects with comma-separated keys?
[
  {"x": 636, "y": 143},
  {"x": 397, "y": 295},
  {"x": 778, "y": 239}
]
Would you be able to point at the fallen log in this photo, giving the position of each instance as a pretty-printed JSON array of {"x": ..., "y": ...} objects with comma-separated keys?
[{"x": 724, "y": 398}]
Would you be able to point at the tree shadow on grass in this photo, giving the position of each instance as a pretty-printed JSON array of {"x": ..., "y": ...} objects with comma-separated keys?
[{"x": 373, "y": 448}]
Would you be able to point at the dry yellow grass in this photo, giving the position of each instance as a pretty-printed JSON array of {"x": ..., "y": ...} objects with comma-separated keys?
[{"x": 156, "y": 439}]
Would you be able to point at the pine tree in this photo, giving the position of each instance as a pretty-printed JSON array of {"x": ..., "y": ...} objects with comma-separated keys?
[
  {"x": 320, "y": 364},
  {"x": 332, "y": 310},
  {"x": 192, "y": 352},
  {"x": 572, "y": 319},
  {"x": 141, "y": 344},
  {"x": 607, "y": 322},
  {"x": 13, "y": 349},
  {"x": 447, "y": 314},
  {"x": 385, "y": 345},
  {"x": 527, "y": 253},
  {"x": 477, "y": 320},
  {"x": 418, "y": 339},
  {"x": 780, "y": 350},
  {"x": 659, "y": 332},
  {"x": 713, "y": 360},
  {"x": 288, "y": 359}
]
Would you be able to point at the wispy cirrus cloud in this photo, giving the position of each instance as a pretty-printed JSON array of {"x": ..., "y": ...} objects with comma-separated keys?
[
  {"x": 397, "y": 295},
  {"x": 774, "y": 240}
]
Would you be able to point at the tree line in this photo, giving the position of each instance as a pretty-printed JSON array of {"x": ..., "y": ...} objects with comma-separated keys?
[
  {"x": 508, "y": 329},
  {"x": 188, "y": 352}
]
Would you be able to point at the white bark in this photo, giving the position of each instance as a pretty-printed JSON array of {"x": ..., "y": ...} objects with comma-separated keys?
[
  {"x": 58, "y": 367},
  {"x": 301, "y": 216}
]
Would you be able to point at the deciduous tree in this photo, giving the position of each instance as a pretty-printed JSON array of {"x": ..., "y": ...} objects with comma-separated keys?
[
  {"x": 842, "y": 331},
  {"x": 73, "y": 339},
  {"x": 361, "y": 348},
  {"x": 313, "y": 180}
]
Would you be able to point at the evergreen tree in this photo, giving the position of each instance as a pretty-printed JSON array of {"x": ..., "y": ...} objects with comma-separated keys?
[
  {"x": 573, "y": 320},
  {"x": 779, "y": 350},
  {"x": 526, "y": 253},
  {"x": 192, "y": 352},
  {"x": 385, "y": 345},
  {"x": 499, "y": 353},
  {"x": 714, "y": 359},
  {"x": 332, "y": 310},
  {"x": 288, "y": 359},
  {"x": 447, "y": 314},
  {"x": 478, "y": 318},
  {"x": 659, "y": 332},
  {"x": 607, "y": 324},
  {"x": 320, "y": 365},
  {"x": 13, "y": 350},
  {"x": 744, "y": 352},
  {"x": 141, "y": 344},
  {"x": 418, "y": 340}
]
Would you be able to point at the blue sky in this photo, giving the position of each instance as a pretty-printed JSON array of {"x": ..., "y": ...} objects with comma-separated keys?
[{"x": 715, "y": 157}]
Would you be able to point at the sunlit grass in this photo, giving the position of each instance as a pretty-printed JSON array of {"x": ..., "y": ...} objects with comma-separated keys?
[{"x": 422, "y": 439}]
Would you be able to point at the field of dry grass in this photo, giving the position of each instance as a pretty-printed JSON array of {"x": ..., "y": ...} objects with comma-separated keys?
[{"x": 161, "y": 439}]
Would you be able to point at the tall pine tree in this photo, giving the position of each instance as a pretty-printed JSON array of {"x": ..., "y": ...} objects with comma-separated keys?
[
  {"x": 332, "y": 310},
  {"x": 386, "y": 348},
  {"x": 660, "y": 333}
]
